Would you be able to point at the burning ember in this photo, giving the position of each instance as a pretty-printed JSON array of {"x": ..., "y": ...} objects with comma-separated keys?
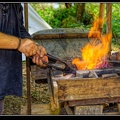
[{"x": 95, "y": 53}]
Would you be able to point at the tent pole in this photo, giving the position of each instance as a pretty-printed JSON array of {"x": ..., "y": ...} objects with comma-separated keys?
[
  {"x": 27, "y": 64},
  {"x": 101, "y": 16},
  {"x": 109, "y": 23}
]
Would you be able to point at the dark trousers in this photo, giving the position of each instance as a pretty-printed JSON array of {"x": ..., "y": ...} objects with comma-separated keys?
[{"x": 1, "y": 106}]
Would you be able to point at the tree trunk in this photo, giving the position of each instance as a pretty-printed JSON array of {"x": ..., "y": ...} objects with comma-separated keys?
[
  {"x": 68, "y": 5},
  {"x": 80, "y": 11}
]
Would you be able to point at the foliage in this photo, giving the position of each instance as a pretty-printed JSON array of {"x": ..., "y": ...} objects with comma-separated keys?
[
  {"x": 116, "y": 21},
  {"x": 63, "y": 17},
  {"x": 88, "y": 18}
]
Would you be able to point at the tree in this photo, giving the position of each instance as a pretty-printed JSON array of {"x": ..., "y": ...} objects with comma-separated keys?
[
  {"x": 68, "y": 5},
  {"x": 80, "y": 9}
]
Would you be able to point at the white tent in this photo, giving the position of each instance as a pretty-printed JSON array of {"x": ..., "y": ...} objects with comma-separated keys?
[{"x": 35, "y": 22}]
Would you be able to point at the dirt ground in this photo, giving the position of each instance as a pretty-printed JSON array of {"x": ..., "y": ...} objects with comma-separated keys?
[{"x": 39, "y": 95}]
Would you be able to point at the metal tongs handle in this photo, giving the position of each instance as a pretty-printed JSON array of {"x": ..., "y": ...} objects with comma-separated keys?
[
  {"x": 66, "y": 70},
  {"x": 56, "y": 59}
]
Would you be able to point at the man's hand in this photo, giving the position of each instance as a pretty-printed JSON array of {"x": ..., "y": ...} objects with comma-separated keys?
[{"x": 29, "y": 48}]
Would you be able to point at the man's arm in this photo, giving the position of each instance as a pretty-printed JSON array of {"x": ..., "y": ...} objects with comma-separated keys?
[
  {"x": 8, "y": 41},
  {"x": 26, "y": 46}
]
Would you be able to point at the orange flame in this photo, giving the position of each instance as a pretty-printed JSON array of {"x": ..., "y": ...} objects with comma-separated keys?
[
  {"x": 95, "y": 27},
  {"x": 94, "y": 54}
]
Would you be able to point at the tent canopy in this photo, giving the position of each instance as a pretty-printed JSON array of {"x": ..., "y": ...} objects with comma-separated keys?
[{"x": 35, "y": 22}]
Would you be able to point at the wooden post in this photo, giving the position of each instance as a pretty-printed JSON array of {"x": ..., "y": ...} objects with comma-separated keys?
[
  {"x": 101, "y": 16},
  {"x": 109, "y": 22},
  {"x": 27, "y": 64}
]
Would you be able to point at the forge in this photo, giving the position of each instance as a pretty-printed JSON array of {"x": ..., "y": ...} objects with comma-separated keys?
[
  {"x": 88, "y": 84},
  {"x": 92, "y": 88},
  {"x": 89, "y": 87}
]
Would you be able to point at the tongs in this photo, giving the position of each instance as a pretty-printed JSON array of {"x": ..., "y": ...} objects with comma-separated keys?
[
  {"x": 52, "y": 60},
  {"x": 66, "y": 70}
]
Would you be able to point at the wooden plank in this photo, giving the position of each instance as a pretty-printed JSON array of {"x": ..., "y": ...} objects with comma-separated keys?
[
  {"x": 109, "y": 23},
  {"x": 88, "y": 110},
  {"x": 62, "y": 33},
  {"x": 51, "y": 92},
  {"x": 88, "y": 88},
  {"x": 118, "y": 107},
  {"x": 109, "y": 75},
  {"x": 27, "y": 63},
  {"x": 101, "y": 16},
  {"x": 39, "y": 109},
  {"x": 111, "y": 113},
  {"x": 94, "y": 101},
  {"x": 55, "y": 90}
]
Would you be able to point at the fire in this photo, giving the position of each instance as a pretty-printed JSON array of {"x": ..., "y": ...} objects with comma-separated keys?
[{"x": 94, "y": 54}]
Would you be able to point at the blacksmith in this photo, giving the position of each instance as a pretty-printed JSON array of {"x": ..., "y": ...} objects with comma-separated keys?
[{"x": 15, "y": 40}]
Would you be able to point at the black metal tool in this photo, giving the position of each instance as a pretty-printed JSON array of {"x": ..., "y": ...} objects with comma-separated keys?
[
  {"x": 66, "y": 70},
  {"x": 52, "y": 60}
]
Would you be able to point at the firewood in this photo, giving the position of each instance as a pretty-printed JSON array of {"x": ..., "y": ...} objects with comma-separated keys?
[
  {"x": 62, "y": 77},
  {"x": 92, "y": 74},
  {"x": 118, "y": 56},
  {"x": 115, "y": 56},
  {"x": 109, "y": 75}
]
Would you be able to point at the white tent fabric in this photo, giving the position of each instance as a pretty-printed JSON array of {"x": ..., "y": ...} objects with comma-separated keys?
[{"x": 35, "y": 23}]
